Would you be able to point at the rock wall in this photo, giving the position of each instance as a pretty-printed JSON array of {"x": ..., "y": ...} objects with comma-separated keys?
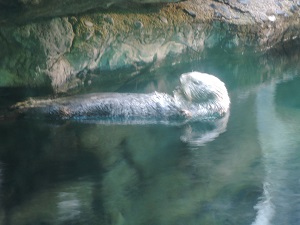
[
  {"x": 24, "y": 11},
  {"x": 63, "y": 51}
]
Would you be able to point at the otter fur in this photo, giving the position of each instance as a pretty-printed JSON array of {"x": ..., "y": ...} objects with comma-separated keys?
[{"x": 199, "y": 96}]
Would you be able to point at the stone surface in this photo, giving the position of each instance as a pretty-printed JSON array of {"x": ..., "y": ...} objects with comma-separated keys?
[
  {"x": 23, "y": 11},
  {"x": 66, "y": 51},
  {"x": 36, "y": 53}
]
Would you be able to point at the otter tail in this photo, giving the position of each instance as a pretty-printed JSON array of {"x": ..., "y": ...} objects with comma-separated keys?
[{"x": 8, "y": 115}]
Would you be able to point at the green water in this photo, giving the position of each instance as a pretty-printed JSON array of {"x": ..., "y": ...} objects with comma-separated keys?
[{"x": 242, "y": 170}]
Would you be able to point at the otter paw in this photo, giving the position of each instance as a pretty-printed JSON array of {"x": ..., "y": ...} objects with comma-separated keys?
[
  {"x": 65, "y": 112},
  {"x": 186, "y": 113}
]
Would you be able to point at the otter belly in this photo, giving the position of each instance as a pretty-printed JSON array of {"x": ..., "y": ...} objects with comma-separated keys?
[{"x": 118, "y": 106}]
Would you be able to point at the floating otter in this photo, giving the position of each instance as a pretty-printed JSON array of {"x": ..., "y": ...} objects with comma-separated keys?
[{"x": 200, "y": 96}]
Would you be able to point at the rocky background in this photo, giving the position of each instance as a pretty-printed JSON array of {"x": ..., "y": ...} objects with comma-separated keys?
[{"x": 69, "y": 44}]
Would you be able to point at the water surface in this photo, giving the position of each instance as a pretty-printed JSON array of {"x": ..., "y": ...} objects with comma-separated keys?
[{"x": 243, "y": 169}]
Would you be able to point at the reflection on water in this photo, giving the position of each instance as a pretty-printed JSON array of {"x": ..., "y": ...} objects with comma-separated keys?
[
  {"x": 242, "y": 169},
  {"x": 278, "y": 124},
  {"x": 199, "y": 133}
]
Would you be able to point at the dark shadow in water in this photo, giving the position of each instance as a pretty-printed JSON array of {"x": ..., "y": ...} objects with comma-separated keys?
[
  {"x": 121, "y": 162},
  {"x": 35, "y": 158}
]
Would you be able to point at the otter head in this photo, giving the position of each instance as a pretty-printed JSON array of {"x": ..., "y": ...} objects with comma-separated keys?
[{"x": 202, "y": 94}]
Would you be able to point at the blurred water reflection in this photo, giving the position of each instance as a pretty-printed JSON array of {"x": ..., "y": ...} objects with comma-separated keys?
[{"x": 278, "y": 123}]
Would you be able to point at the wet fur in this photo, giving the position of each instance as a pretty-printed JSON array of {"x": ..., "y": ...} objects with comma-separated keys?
[{"x": 199, "y": 96}]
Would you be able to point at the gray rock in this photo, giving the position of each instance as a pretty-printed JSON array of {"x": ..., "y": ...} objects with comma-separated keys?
[
  {"x": 190, "y": 12},
  {"x": 108, "y": 19},
  {"x": 38, "y": 51},
  {"x": 163, "y": 19},
  {"x": 245, "y": 2},
  {"x": 88, "y": 23},
  {"x": 294, "y": 8},
  {"x": 138, "y": 24}
]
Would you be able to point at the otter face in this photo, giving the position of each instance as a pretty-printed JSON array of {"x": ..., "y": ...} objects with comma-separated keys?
[{"x": 203, "y": 89}]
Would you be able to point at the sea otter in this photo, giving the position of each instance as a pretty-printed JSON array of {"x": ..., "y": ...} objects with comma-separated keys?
[{"x": 199, "y": 96}]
